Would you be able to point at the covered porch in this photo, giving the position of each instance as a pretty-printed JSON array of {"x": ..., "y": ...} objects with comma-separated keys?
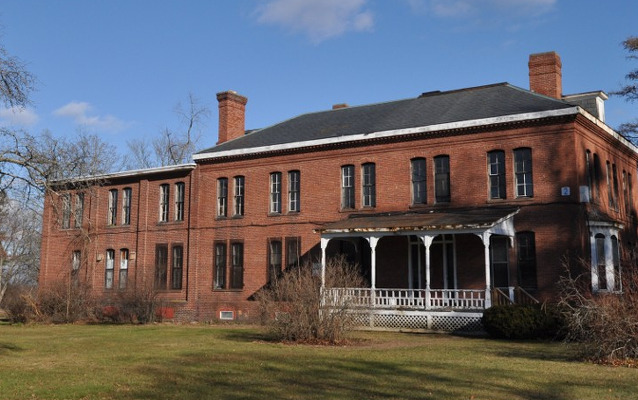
[{"x": 427, "y": 270}]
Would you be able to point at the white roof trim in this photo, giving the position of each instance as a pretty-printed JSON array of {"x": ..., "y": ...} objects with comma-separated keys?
[
  {"x": 396, "y": 132},
  {"x": 131, "y": 173},
  {"x": 607, "y": 129}
]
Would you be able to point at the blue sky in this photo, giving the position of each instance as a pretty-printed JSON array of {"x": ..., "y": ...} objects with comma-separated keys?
[{"x": 118, "y": 68}]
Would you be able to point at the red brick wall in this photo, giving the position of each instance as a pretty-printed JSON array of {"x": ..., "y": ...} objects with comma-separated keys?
[{"x": 559, "y": 222}]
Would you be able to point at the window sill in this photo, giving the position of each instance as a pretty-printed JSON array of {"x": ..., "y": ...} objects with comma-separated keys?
[
  {"x": 227, "y": 290},
  {"x": 274, "y": 214}
]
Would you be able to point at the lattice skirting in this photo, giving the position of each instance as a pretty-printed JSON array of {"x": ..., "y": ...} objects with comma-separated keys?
[{"x": 431, "y": 320}]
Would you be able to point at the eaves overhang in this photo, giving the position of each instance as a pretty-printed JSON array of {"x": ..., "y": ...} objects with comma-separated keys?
[
  {"x": 134, "y": 173},
  {"x": 434, "y": 222}
]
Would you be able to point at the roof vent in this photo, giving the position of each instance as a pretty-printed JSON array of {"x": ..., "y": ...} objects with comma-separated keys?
[{"x": 338, "y": 106}]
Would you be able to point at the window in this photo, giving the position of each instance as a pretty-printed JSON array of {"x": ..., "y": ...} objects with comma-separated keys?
[
  {"x": 625, "y": 191},
  {"x": 76, "y": 262},
  {"x": 66, "y": 211},
  {"x": 239, "y": 196},
  {"x": 123, "y": 268},
  {"x": 161, "y": 263},
  {"x": 222, "y": 197},
  {"x": 615, "y": 181},
  {"x": 496, "y": 173},
  {"x": 347, "y": 187},
  {"x": 615, "y": 258},
  {"x": 589, "y": 168},
  {"x": 126, "y": 206},
  {"x": 523, "y": 172},
  {"x": 274, "y": 259},
  {"x": 176, "y": 270},
  {"x": 369, "y": 188},
  {"x": 112, "y": 214},
  {"x": 237, "y": 266},
  {"x": 179, "y": 201},
  {"x": 442, "y": 179},
  {"x": 110, "y": 265},
  {"x": 418, "y": 181},
  {"x": 292, "y": 252},
  {"x": 220, "y": 266},
  {"x": 79, "y": 209},
  {"x": 601, "y": 264},
  {"x": 526, "y": 249},
  {"x": 630, "y": 194},
  {"x": 596, "y": 181},
  {"x": 500, "y": 269},
  {"x": 275, "y": 192},
  {"x": 294, "y": 185},
  {"x": 163, "y": 205},
  {"x": 610, "y": 193}
]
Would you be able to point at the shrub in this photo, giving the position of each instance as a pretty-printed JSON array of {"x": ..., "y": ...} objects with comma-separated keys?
[
  {"x": 63, "y": 302},
  {"x": 291, "y": 304},
  {"x": 522, "y": 322},
  {"x": 604, "y": 324},
  {"x": 15, "y": 304},
  {"x": 134, "y": 305}
]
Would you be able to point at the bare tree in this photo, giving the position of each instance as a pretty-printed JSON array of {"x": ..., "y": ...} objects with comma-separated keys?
[
  {"x": 16, "y": 82},
  {"x": 630, "y": 90},
  {"x": 172, "y": 146},
  {"x": 19, "y": 246}
]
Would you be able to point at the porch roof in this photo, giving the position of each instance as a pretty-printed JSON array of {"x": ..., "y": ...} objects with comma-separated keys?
[{"x": 466, "y": 220}]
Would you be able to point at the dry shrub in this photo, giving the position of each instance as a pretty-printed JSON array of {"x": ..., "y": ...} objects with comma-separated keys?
[
  {"x": 604, "y": 324},
  {"x": 133, "y": 305},
  {"x": 63, "y": 302},
  {"x": 15, "y": 303},
  {"x": 291, "y": 303}
]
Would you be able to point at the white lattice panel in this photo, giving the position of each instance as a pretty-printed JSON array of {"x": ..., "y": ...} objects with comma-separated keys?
[{"x": 456, "y": 323}]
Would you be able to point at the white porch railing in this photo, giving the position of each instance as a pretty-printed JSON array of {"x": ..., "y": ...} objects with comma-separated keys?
[{"x": 408, "y": 299}]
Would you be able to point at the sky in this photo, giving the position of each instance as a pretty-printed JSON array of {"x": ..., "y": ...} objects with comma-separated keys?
[{"x": 118, "y": 68}]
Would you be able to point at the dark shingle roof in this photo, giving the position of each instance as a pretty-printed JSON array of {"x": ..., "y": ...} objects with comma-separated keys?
[{"x": 429, "y": 109}]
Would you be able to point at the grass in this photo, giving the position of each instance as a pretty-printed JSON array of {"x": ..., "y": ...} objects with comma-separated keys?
[{"x": 202, "y": 362}]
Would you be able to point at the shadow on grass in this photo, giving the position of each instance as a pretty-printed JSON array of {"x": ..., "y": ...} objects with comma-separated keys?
[
  {"x": 247, "y": 335},
  {"x": 328, "y": 374},
  {"x": 7, "y": 347}
]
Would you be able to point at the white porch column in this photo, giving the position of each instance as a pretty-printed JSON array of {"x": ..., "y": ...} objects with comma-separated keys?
[
  {"x": 324, "y": 246},
  {"x": 427, "y": 242},
  {"x": 485, "y": 236},
  {"x": 373, "y": 240}
]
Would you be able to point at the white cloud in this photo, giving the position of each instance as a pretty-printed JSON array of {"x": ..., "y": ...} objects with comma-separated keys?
[
  {"x": 18, "y": 116},
  {"x": 319, "y": 19},
  {"x": 79, "y": 112},
  {"x": 465, "y": 8}
]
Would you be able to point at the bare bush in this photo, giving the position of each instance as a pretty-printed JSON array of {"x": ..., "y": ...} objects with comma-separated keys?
[
  {"x": 291, "y": 304},
  {"x": 64, "y": 302},
  {"x": 604, "y": 324},
  {"x": 14, "y": 303},
  {"x": 134, "y": 305}
]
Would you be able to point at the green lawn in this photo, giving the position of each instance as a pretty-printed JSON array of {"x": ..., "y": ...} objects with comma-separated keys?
[{"x": 204, "y": 362}]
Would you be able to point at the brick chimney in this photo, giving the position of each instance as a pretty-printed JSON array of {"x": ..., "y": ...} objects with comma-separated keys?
[
  {"x": 340, "y": 105},
  {"x": 232, "y": 111},
  {"x": 545, "y": 76}
]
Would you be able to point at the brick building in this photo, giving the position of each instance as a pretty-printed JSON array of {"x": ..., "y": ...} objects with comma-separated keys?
[{"x": 449, "y": 202}]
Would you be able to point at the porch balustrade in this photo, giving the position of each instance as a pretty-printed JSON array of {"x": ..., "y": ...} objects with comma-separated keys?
[{"x": 409, "y": 299}]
